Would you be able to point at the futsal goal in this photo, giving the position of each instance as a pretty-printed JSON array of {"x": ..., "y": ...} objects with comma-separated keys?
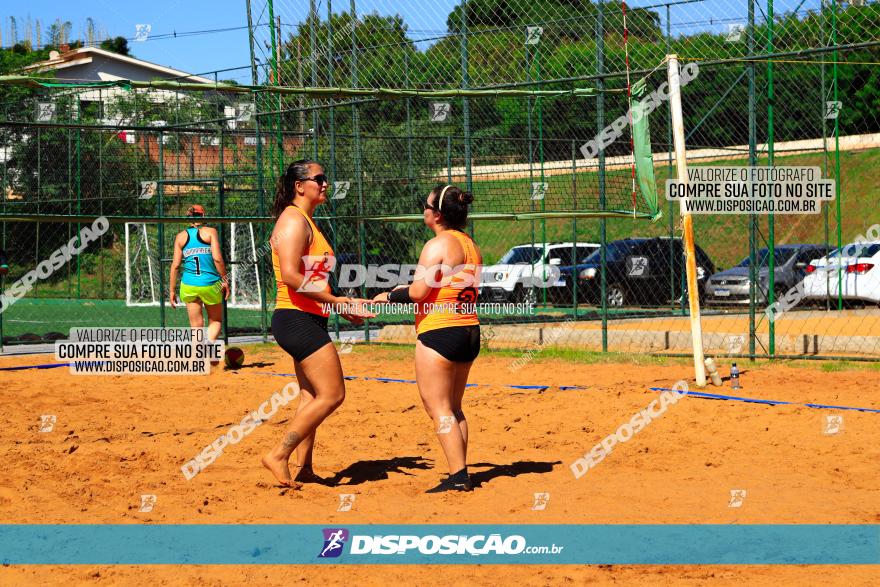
[{"x": 144, "y": 268}]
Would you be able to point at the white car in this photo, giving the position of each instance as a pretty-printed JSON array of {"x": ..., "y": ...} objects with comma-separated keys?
[
  {"x": 523, "y": 270},
  {"x": 856, "y": 267}
]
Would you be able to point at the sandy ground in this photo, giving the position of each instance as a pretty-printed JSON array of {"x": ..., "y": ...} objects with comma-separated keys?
[{"x": 119, "y": 437}]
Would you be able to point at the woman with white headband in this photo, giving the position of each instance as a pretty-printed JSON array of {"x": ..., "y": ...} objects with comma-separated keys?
[{"x": 444, "y": 290}]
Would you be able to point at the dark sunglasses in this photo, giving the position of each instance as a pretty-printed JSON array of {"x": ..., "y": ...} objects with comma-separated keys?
[
  {"x": 319, "y": 179},
  {"x": 428, "y": 206}
]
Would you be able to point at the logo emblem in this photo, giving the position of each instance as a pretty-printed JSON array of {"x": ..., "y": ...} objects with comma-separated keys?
[
  {"x": 346, "y": 344},
  {"x": 735, "y": 32},
  {"x": 637, "y": 266},
  {"x": 317, "y": 271},
  {"x": 147, "y": 502},
  {"x": 440, "y": 111},
  {"x": 735, "y": 344},
  {"x": 346, "y": 502},
  {"x": 541, "y": 501},
  {"x": 340, "y": 189},
  {"x": 533, "y": 35},
  {"x": 47, "y": 423},
  {"x": 832, "y": 109},
  {"x": 45, "y": 111},
  {"x": 142, "y": 32},
  {"x": 832, "y": 425},
  {"x": 334, "y": 540},
  {"x": 539, "y": 189},
  {"x": 737, "y": 497}
]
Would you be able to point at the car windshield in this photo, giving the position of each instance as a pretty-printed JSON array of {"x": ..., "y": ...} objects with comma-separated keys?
[
  {"x": 613, "y": 252},
  {"x": 522, "y": 256},
  {"x": 780, "y": 257},
  {"x": 853, "y": 250}
]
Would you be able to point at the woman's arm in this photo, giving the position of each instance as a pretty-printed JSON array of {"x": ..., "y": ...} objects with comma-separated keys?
[
  {"x": 430, "y": 261},
  {"x": 217, "y": 255},
  {"x": 290, "y": 240},
  {"x": 175, "y": 267}
]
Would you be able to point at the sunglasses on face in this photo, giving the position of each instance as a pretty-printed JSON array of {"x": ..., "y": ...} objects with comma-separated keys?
[{"x": 319, "y": 179}]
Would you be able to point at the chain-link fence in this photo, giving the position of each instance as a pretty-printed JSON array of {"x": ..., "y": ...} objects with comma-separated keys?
[{"x": 784, "y": 83}]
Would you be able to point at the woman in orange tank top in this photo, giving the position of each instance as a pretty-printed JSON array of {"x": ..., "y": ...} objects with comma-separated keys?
[
  {"x": 302, "y": 259},
  {"x": 448, "y": 331}
]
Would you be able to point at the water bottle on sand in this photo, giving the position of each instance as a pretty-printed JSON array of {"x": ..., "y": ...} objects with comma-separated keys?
[{"x": 734, "y": 377}]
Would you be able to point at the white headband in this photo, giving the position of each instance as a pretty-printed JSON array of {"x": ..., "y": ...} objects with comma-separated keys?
[{"x": 440, "y": 202}]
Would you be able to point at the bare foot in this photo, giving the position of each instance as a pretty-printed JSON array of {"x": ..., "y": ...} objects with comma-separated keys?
[{"x": 280, "y": 469}]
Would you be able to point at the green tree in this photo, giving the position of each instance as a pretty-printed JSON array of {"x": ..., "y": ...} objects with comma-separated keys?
[{"x": 116, "y": 45}]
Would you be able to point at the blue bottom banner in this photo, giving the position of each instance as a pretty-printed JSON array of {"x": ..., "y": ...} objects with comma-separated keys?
[{"x": 250, "y": 544}]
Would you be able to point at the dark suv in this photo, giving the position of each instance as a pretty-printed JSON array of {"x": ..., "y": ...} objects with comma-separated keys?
[{"x": 639, "y": 271}]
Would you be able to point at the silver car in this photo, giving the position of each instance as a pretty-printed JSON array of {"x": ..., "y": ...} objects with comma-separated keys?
[{"x": 731, "y": 286}]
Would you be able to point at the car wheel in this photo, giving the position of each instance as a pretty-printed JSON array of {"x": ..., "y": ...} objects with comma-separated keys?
[{"x": 615, "y": 295}]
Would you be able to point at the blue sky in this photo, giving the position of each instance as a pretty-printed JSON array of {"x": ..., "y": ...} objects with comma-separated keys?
[{"x": 208, "y": 52}]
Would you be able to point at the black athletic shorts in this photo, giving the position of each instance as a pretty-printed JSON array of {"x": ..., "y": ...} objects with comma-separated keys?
[
  {"x": 459, "y": 344},
  {"x": 299, "y": 333}
]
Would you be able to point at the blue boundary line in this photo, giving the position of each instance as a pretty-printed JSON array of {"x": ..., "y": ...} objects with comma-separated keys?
[
  {"x": 413, "y": 382},
  {"x": 44, "y": 366},
  {"x": 771, "y": 402},
  {"x": 698, "y": 394}
]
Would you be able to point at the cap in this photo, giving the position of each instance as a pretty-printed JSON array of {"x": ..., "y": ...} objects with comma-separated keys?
[{"x": 196, "y": 210}]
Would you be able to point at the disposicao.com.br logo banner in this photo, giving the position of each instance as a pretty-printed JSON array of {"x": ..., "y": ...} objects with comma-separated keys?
[
  {"x": 542, "y": 544},
  {"x": 430, "y": 544}
]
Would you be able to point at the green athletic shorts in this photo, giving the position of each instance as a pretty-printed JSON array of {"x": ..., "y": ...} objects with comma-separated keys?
[{"x": 209, "y": 294}]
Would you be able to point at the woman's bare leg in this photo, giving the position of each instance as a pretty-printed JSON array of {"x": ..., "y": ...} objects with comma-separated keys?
[
  {"x": 215, "y": 320},
  {"x": 436, "y": 379},
  {"x": 307, "y": 446},
  {"x": 324, "y": 372},
  {"x": 462, "y": 370},
  {"x": 194, "y": 312}
]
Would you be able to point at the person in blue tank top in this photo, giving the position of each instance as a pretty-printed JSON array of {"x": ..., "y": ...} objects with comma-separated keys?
[{"x": 204, "y": 283}]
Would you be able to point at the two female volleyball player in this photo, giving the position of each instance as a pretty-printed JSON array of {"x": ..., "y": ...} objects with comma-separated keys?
[
  {"x": 447, "y": 327},
  {"x": 204, "y": 274},
  {"x": 302, "y": 259}
]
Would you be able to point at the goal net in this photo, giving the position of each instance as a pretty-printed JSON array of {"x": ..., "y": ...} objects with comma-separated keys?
[{"x": 143, "y": 269}]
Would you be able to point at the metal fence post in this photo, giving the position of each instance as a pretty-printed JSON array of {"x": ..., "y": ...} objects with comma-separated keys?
[{"x": 600, "y": 124}]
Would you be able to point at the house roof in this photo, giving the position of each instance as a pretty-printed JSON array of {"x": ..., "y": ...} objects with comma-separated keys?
[{"x": 84, "y": 55}]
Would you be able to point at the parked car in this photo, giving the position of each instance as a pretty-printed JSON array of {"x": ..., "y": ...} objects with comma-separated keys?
[
  {"x": 639, "y": 271},
  {"x": 731, "y": 286},
  {"x": 514, "y": 277},
  {"x": 855, "y": 267}
]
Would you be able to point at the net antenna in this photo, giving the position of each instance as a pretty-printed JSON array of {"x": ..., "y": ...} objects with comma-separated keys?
[
  {"x": 629, "y": 105},
  {"x": 693, "y": 292}
]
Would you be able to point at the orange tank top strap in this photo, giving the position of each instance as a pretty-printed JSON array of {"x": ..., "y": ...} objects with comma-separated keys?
[{"x": 315, "y": 266}]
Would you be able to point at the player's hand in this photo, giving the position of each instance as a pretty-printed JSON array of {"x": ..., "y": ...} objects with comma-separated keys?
[
  {"x": 225, "y": 290},
  {"x": 381, "y": 298},
  {"x": 172, "y": 299},
  {"x": 358, "y": 308},
  {"x": 356, "y": 320}
]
